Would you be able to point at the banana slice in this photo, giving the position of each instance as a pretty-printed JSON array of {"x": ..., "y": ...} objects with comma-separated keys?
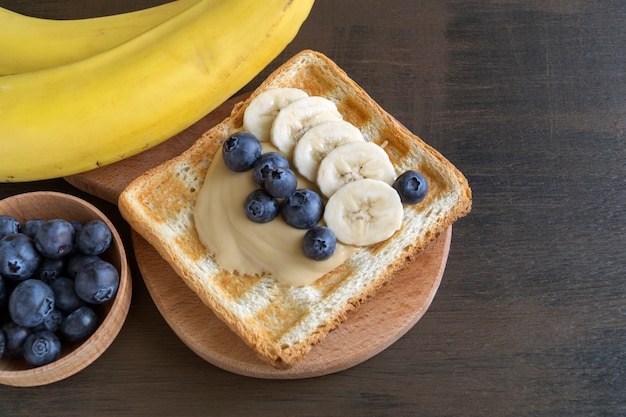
[
  {"x": 364, "y": 212},
  {"x": 353, "y": 161},
  {"x": 262, "y": 110},
  {"x": 318, "y": 141},
  {"x": 296, "y": 118}
]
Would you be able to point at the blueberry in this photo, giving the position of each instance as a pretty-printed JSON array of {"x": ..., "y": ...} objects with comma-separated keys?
[
  {"x": 30, "y": 302},
  {"x": 4, "y": 294},
  {"x": 3, "y": 344},
  {"x": 280, "y": 182},
  {"x": 240, "y": 151},
  {"x": 79, "y": 324},
  {"x": 53, "y": 321},
  {"x": 76, "y": 224},
  {"x": 30, "y": 227},
  {"x": 8, "y": 225},
  {"x": 260, "y": 207},
  {"x": 19, "y": 258},
  {"x": 265, "y": 164},
  {"x": 65, "y": 297},
  {"x": 77, "y": 261},
  {"x": 411, "y": 186},
  {"x": 93, "y": 238},
  {"x": 55, "y": 238},
  {"x": 14, "y": 335},
  {"x": 302, "y": 209},
  {"x": 97, "y": 282},
  {"x": 41, "y": 348},
  {"x": 319, "y": 243},
  {"x": 50, "y": 269}
]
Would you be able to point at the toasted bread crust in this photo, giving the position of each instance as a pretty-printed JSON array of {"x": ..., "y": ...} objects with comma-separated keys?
[{"x": 282, "y": 324}]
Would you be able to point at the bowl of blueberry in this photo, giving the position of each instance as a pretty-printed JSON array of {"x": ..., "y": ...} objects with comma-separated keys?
[{"x": 65, "y": 287}]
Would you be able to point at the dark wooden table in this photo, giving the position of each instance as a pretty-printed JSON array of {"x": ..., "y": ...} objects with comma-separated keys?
[{"x": 528, "y": 99}]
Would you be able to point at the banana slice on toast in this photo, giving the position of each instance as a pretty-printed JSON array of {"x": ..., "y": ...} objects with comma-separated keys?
[
  {"x": 353, "y": 161},
  {"x": 318, "y": 141},
  {"x": 295, "y": 119},
  {"x": 364, "y": 212},
  {"x": 263, "y": 109}
]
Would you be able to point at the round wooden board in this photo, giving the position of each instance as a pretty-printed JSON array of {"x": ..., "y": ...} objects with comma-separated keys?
[{"x": 366, "y": 332}]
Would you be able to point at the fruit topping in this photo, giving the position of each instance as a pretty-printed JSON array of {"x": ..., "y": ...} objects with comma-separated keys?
[
  {"x": 364, "y": 212},
  {"x": 266, "y": 163},
  {"x": 319, "y": 243},
  {"x": 355, "y": 192},
  {"x": 240, "y": 151},
  {"x": 260, "y": 113},
  {"x": 260, "y": 207},
  {"x": 302, "y": 209},
  {"x": 280, "y": 182},
  {"x": 353, "y": 161},
  {"x": 411, "y": 186},
  {"x": 318, "y": 141},
  {"x": 295, "y": 119}
]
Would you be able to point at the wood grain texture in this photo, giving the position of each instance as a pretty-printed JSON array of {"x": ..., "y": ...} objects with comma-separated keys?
[
  {"x": 528, "y": 99},
  {"x": 365, "y": 333}
]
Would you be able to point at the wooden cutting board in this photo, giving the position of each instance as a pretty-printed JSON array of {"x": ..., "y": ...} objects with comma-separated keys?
[{"x": 366, "y": 332}]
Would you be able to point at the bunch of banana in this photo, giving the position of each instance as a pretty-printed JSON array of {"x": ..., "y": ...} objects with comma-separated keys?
[
  {"x": 29, "y": 43},
  {"x": 72, "y": 118}
]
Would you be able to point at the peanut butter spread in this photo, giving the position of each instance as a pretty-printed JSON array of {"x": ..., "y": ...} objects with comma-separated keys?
[{"x": 240, "y": 245}]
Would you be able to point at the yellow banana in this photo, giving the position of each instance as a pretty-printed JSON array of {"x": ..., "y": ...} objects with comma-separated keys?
[
  {"x": 73, "y": 118},
  {"x": 29, "y": 43}
]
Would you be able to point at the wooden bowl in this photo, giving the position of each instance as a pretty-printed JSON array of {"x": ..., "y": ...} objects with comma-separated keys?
[{"x": 111, "y": 314}]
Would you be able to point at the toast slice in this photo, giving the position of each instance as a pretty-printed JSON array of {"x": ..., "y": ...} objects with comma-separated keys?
[{"x": 283, "y": 323}]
